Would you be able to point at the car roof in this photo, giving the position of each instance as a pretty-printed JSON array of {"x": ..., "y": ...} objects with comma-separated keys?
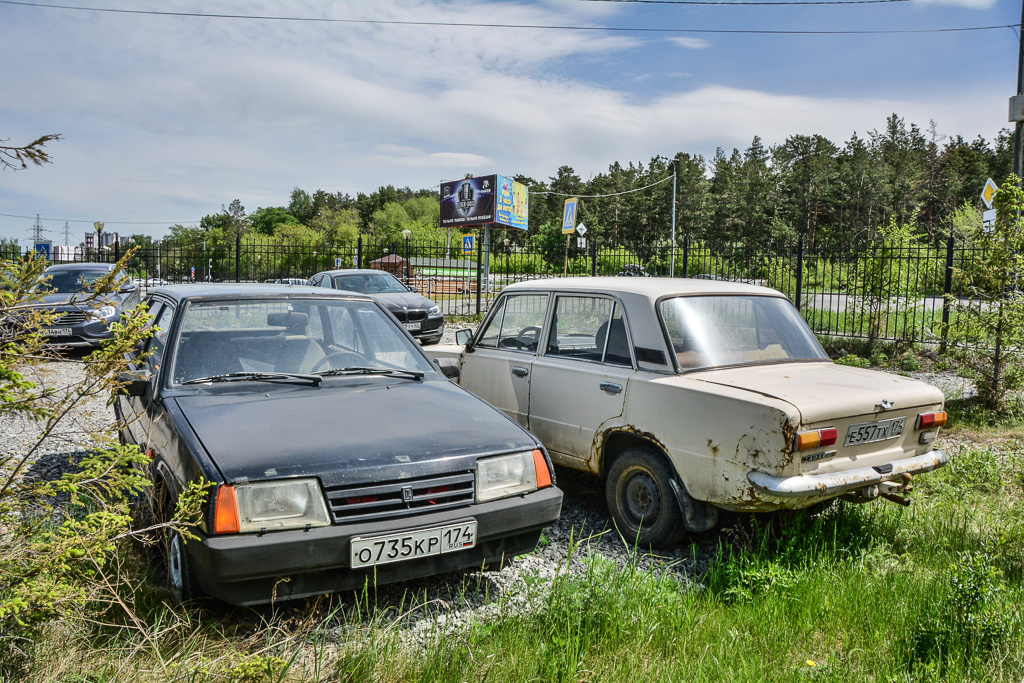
[
  {"x": 649, "y": 287},
  {"x": 244, "y": 290},
  {"x": 354, "y": 271},
  {"x": 80, "y": 266}
]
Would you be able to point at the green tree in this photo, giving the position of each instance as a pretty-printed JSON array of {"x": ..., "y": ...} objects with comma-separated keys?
[{"x": 267, "y": 221}]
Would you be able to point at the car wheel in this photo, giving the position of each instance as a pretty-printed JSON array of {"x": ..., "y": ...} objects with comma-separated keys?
[
  {"x": 180, "y": 577},
  {"x": 640, "y": 500}
]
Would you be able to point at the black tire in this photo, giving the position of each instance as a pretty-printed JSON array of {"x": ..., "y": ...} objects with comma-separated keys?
[
  {"x": 640, "y": 500},
  {"x": 179, "y": 576}
]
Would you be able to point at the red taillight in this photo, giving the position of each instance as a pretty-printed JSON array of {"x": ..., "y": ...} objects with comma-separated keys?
[
  {"x": 225, "y": 519},
  {"x": 816, "y": 438},
  {"x": 541, "y": 465},
  {"x": 929, "y": 420}
]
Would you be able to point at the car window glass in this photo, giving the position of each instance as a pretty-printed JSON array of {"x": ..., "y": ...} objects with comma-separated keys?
[
  {"x": 489, "y": 335},
  {"x": 579, "y": 328},
  {"x": 522, "y": 322},
  {"x": 616, "y": 340},
  {"x": 70, "y": 281},
  {"x": 710, "y": 331},
  {"x": 161, "y": 328},
  {"x": 345, "y": 332}
]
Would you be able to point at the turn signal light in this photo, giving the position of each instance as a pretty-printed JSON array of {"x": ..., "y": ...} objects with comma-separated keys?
[
  {"x": 225, "y": 520},
  {"x": 816, "y": 438},
  {"x": 929, "y": 420},
  {"x": 541, "y": 464}
]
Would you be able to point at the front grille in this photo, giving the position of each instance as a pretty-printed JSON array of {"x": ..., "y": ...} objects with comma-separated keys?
[
  {"x": 403, "y": 497},
  {"x": 409, "y": 316},
  {"x": 69, "y": 319}
]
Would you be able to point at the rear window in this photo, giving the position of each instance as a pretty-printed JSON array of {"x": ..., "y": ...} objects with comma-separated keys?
[{"x": 715, "y": 331}]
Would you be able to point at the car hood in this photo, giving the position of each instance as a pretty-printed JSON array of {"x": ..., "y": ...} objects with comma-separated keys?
[
  {"x": 77, "y": 300},
  {"x": 377, "y": 430},
  {"x": 401, "y": 300},
  {"x": 824, "y": 391}
]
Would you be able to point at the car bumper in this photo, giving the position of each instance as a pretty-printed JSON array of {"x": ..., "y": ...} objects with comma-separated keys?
[
  {"x": 838, "y": 483},
  {"x": 90, "y": 334},
  {"x": 250, "y": 569},
  {"x": 432, "y": 328}
]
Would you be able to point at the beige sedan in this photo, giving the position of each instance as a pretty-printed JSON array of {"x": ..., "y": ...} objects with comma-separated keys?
[{"x": 691, "y": 396}]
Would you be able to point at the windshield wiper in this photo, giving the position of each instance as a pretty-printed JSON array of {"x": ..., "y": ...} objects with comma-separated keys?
[
  {"x": 257, "y": 377},
  {"x": 389, "y": 372}
]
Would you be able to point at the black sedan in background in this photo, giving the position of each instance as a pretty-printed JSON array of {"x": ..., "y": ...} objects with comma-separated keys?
[
  {"x": 339, "y": 453},
  {"x": 421, "y": 316},
  {"x": 83, "y": 318}
]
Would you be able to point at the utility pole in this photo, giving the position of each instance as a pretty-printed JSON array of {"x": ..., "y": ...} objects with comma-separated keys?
[
  {"x": 1017, "y": 106},
  {"x": 67, "y": 234},
  {"x": 672, "y": 267},
  {"x": 37, "y": 230}
]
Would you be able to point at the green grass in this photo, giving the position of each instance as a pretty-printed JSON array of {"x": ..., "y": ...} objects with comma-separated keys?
[{"x": 858, "y": 592}]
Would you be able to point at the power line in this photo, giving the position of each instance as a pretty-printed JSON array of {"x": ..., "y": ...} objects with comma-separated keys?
[
  {"x": 548, "y": 27},
  {"x": 71, "y": 220},
  {"x": 599, "y": 196},
  {"x": 756, "y": 3}
]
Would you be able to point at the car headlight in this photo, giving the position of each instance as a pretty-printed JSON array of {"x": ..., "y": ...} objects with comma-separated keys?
[
  {"x": 271, "y": 506},
  {"x": 103, "y": 312},
  {"x": 508, "y": 475},
  {"x": 434, "y": 310}
]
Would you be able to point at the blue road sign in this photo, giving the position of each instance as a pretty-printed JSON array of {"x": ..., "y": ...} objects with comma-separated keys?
[
  {"x": 569, "y": 215},
  {"x": 468, "y": 244},
  {"x": 44, "y": 248}
]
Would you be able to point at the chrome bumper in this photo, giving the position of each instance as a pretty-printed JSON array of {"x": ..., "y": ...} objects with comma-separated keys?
[{"x": 836, "y": 483}]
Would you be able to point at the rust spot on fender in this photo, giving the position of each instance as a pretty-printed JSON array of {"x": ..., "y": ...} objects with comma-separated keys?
[
  {"x": 597, "y": 447},
  {"x": 713, "y": 448}
]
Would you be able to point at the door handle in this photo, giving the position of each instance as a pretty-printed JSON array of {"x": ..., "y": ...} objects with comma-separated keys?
[
  {"x": 519, "y": 371},
  {"x": 611, "y": 387}
]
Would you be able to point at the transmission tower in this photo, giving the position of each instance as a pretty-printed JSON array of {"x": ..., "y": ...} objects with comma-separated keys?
[
  {"x": 38, "y": 230},
  {"x": 67, "y": 234}
]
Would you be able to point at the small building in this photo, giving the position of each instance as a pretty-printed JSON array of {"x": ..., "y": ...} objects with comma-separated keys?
[{"x": 394, "y": 264}]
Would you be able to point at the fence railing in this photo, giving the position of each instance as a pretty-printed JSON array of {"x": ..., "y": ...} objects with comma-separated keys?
[{"x": 872, "y": 291}]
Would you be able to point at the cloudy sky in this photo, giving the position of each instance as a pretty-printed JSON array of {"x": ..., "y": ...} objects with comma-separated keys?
[{"x": 165, "y": 116}]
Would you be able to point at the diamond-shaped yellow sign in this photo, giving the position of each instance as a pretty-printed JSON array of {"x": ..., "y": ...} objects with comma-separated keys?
[{"x": 989, "y": 193}]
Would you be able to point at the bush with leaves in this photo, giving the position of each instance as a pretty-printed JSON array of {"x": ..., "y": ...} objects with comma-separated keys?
[
  {"x": 59, "y": 540},
  {"x": 990, "y": 320}
]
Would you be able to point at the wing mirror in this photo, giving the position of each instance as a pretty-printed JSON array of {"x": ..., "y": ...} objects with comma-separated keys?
[
  {"x": 463, "y": 337},
  {"x": 133, "y": 383}
]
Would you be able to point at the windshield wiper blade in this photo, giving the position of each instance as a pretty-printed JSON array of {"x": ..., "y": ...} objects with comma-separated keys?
[
  {"x": 243, "y": 376},
  {"x": 388, "y": 372}
]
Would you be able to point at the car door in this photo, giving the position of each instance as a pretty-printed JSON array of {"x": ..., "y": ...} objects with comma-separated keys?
[
  {"x": 138, "y": 410},
  {"x": 580, "y": 380},
  {"x": 497, "y": 367}
]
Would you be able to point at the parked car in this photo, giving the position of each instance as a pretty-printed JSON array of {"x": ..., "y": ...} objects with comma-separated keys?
[
  {"x": 421, "y": 316},
  {"x": 692, "y": 396},
  {"x": 633, "y": 270},
  {"x": 339, "y": 455},
  {"x": 288, "y": 281},
  {"x": 83, "y": 318}
]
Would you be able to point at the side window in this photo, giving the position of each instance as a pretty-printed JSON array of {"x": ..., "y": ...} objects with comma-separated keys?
[
  {"x": 325, "y": 281},
  {"x": 489, "y": 335},
  {"x": 162, "y": 327},
  {"x": 522, "y": 322},
  {"x": 589, "y": 328}
]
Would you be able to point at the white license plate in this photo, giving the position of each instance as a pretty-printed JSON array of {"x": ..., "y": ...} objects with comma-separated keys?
[
  {"x": 57, "y": 332},
  {"x": 412, "y": 327},
  {"x": 869, "y": 432},
  {"x": 409, "y": 545}
]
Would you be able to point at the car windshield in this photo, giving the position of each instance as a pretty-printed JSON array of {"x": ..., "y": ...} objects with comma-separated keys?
[
  {"x": 369, "y": 283},
  {"x": 713, "y": 331},
  {"x": 307, "y": 336},
  {"x": 69, "y": 281}
]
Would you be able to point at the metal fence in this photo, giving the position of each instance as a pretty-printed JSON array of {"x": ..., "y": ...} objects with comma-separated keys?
[{"x": 866, "y": 291}]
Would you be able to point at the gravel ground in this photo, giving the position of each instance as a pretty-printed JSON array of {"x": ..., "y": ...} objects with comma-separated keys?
[{"x": 442, "y": 602}]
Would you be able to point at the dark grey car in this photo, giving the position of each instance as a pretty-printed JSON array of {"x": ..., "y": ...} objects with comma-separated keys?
[
  {"x": 418, "y": 314},
  {"x": 83, "y": 319}
]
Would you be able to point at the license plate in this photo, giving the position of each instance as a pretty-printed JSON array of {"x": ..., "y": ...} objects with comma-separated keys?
[
  {"x": 412, "y": 327},
  {"x": 869, "y": 432},
  {"x": 57, "y": 332},
  {"x": 410, "y": 545}
]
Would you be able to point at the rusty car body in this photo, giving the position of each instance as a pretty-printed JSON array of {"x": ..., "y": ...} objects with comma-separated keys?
[
  {"x": 691, "y": 396},
  {"x": 338, "y": 454}
]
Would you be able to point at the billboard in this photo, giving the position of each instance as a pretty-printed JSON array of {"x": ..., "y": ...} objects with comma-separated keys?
[
  {"x": 513, "y": 203},
  {"x": 487, "y": 199}
]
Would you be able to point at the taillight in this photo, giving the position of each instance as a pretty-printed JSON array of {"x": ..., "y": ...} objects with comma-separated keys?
[
  {"x": 541, "y": 464},
  {"x": 225, "y": 520},
  {"x": 816, "y": 438},
  {"x": 929, "y": 420}
]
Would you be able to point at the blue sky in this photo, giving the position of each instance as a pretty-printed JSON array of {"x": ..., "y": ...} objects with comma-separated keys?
[{"x": 167, "y": 118}]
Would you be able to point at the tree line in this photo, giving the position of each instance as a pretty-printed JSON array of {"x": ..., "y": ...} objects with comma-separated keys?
[{"x": 807, "y": 186}]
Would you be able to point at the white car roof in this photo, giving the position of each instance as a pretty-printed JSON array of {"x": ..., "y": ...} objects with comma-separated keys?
[{"x": 650, "y": 287}]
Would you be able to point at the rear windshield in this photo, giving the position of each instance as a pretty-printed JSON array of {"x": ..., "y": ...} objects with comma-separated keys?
[{"x": 715, "y": 331}]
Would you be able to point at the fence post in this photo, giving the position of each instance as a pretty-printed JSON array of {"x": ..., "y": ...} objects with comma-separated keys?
[
  {"x": 479, "y": 257},
  {"x": 799, "y": 269},
  {"x": 686, "y": 255},
  {"x": 238, "y": 257},
  {"x": 359, "y": 252},
  {"x": 117, "y": 250},
  {"x": 947, "y": 289},
  {"x": 593, "y": 257}
]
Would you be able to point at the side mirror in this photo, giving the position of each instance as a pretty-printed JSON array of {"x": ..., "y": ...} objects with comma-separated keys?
[
  {"x": 463, "y": 337},
  {"x": 414, "y": 289},
  {"x": 129, "y": 287},
  {"x": 133, "y": 383}
]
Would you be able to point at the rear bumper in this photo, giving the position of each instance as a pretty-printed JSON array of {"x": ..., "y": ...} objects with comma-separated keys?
[
  {"x": 838, "y": 483},
  {"x": 248, "y": 569}
]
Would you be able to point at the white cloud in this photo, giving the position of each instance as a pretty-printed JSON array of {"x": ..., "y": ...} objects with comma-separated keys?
[
  {"x": 691, "y": 43},
  {"x": 969, "y": 4}
]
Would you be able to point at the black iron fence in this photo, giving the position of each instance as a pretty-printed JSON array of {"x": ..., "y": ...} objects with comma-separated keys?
[{"x": 873, "y": 291}]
